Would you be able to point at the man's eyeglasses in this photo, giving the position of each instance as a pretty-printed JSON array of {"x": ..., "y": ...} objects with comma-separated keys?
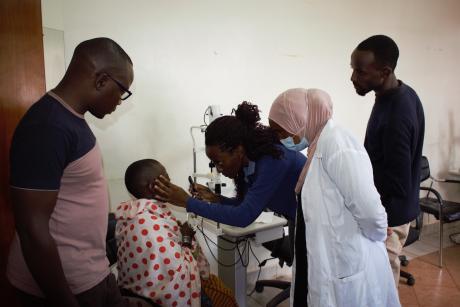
[{"x": 126, "y": 92}]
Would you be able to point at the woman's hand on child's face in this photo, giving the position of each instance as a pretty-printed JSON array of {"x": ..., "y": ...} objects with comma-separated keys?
[
  {"x": 169, "y": 192},
  {"x": 202, "y": 192}
]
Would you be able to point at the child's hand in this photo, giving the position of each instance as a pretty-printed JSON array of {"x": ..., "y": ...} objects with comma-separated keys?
[
  {"x": 187, "y": 234},
  {"x": 186, "y": 229}
]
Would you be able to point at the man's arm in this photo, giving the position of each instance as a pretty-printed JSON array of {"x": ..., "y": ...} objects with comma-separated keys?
[
  {"x": 32, "y": 211},
  {"x": 397, "y": 154}
]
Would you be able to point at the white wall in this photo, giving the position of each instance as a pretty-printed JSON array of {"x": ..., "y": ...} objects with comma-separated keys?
[
  {"x": 53, "y": 14},
  {"x": 190, "y": 54},
  {"x": 54, "y": 51}
]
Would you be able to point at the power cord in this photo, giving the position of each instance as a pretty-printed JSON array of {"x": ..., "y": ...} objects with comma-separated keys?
[
  {"x": 260, "y": 264},
  {"x": 247, "y": 245},
  {"x": 236, "y": 246}
]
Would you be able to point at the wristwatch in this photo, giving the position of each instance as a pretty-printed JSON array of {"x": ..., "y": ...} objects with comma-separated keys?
[{"x": 187, "y": 241}]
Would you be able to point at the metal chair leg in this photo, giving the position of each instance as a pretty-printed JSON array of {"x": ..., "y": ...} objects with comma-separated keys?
[
  {"x": 440, "y": 241},
  {"x": 283, "y": 295}
]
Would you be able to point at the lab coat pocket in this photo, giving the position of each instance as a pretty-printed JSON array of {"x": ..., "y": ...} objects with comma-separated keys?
[{"x": 350, "y": 291}]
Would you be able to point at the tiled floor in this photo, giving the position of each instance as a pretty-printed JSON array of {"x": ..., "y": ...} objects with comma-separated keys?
[{"x": 433, "y": 286}]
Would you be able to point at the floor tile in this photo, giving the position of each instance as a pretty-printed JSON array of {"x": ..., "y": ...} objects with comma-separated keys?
[
  {"x": 407, "y": 295},
  {"x": 251, "y": 302},
  {"x": 427, "y": 274},
  {"x": 429, "y": 296},
  {"x": 409, "y": 255},
  {"x": 265, "y": 296},
  {"x": 420, "y": 248},
  {"x": 451, "y": 256},
  {"x": 451, "y": 262},
  {"x": 433, "y": 286},
  {"x": 454, "y": 271}
]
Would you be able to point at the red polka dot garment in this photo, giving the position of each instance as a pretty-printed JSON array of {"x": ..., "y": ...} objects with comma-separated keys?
[{"x": 151, "y": 261}]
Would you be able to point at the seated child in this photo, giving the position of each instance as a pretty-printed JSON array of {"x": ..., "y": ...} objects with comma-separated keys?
[{"x": 158, "y": 257}]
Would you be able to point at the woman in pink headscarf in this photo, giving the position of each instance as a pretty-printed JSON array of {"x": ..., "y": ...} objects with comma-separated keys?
[{"x": 341, "y": 224}]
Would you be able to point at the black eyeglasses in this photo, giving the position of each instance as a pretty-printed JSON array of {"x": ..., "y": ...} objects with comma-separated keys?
[{"x": 126, "y": 93}]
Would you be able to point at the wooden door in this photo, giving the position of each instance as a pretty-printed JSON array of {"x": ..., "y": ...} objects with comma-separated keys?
[{"x": 22, "y": 82}]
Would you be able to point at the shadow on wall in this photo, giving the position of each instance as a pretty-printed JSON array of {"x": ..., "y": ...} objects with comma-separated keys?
[
  {"x": 454, "y": 145},
  {"x": 444, "y": 156},
  {"x": 111, "y": 119}
]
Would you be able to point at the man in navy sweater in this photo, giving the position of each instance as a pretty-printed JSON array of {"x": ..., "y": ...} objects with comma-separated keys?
[{"x": 394, "y": 137}]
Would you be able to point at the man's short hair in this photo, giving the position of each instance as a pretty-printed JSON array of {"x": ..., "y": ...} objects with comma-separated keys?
[
  {"x": 385, "y": 50},
  {"x": 99, "y": 53},
  {"x": 141, "y": 173},
  {"x": 102, "y": 46}
]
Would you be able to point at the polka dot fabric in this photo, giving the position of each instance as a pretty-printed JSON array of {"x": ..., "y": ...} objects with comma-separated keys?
[{"x": 151, "y": 261}]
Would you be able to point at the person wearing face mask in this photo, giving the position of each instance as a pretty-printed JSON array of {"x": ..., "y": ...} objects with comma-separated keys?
[
  {"x": 341, "y": 223},
  {"x": 289, "y": 143},
  {"x": 265, "y": 172}
]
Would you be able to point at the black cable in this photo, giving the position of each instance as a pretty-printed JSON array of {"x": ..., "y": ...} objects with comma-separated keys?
[
  {"x": 247, "y": 245},
  {"x": 260, "y": 269},
  {"x": 254, "y": 289},
  {"x": 261, "y": 264},
  {"x": 235, "y": 242},
  {"x": 240, "y": 258},
  {"x": 222, "y": 238},
  {"x": 240, "y": 254},
  {"x": 212, "y": 254},
  {"x": 215, "y": 244},
  {"x": 252, "y": 252}
]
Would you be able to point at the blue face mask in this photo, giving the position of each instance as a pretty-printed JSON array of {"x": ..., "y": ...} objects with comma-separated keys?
[{"x": 289, "y": 144}]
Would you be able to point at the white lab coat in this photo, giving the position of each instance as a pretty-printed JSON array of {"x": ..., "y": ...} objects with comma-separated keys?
[{"x": 345, "y": 227}]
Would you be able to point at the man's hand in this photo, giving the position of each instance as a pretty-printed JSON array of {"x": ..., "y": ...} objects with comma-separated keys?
[
  {"x": 203, "y": 193},
  {"x": 169, "y": 192},
  {"x": 389, "y": 231},
  {"x": 32, "y": 210}
]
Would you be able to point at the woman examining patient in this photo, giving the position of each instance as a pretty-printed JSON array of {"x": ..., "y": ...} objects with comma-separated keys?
[
  {"x": 265, "y": 172},
  {"x": 341, "y": 223}
]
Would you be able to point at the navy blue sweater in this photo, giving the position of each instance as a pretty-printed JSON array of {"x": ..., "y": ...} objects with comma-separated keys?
[
  {"x": 271, "y": 186},
  {"x": 394, "y": 141}
]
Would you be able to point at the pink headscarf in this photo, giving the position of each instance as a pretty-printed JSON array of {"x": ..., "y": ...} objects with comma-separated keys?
[{"x": 302, "y": 112}]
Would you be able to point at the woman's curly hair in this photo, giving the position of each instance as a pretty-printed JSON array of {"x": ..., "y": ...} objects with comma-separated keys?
[{"x": 244, "y": 129}]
